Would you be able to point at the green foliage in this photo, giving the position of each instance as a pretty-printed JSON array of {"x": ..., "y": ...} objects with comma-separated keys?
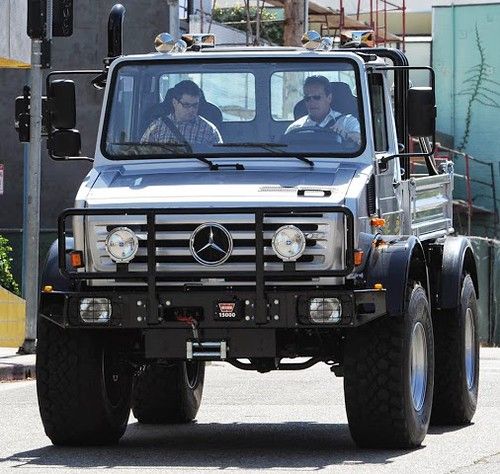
[
  {"x": 6, "y": 278},
  {"x": 271, "y": 29}
]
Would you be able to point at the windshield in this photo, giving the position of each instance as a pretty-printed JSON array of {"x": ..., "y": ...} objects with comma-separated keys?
[{"x": 167, "y": 109}]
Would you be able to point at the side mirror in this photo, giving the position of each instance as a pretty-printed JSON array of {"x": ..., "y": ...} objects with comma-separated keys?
[
  {"x": 64, "y": 143},
  {"x": 421, "y": 112},
  {"x": 62, "y": 104}
]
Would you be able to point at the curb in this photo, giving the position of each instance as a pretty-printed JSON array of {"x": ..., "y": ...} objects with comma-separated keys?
[{"x": 16, "y": 371}]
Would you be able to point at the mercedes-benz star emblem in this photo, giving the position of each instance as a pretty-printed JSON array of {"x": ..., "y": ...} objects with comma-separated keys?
[{"x": 211, "y": 244}]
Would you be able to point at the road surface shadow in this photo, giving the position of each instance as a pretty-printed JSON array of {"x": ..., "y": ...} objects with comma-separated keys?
[
  {"x": 439, "y": 430},
  {"x": 296, "y": 445}
]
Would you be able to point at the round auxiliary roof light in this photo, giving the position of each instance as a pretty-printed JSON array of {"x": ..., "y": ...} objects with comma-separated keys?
[
  {"x": 311, "y": 40},
  {"x": 164, "y": 43},
  {"x": 326, "y": 44},
  {"x": 180, "y": 46}
]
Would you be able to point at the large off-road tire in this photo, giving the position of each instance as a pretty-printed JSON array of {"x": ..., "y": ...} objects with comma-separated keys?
[
  {"x": 83, "y": 386},
  {"x": 168, "y": 392},
  {"x": 389, "y": 373},
  {"x": 457, "y": 360}
]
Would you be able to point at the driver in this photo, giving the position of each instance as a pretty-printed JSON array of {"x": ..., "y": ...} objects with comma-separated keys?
[
  {"x": 184, "y": 123},
  {"x": 318, "y": 98}
]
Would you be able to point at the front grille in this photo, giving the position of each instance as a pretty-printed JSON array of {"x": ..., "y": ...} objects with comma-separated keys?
[{"x": 173, "y": 232}]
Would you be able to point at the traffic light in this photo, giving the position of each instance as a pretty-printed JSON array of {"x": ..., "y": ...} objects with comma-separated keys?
[
  {"x": 22, "y": 116},
  {"x": 37, "y": 19},
  {"x": 62, "y": 18}
]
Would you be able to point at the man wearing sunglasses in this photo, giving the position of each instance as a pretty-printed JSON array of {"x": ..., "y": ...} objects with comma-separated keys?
[
  {"x": 183, "y": 124},
  {"x": 319, "y": 102}
]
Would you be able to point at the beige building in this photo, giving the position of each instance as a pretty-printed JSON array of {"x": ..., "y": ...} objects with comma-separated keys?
[{"x": 15, "y": 45}]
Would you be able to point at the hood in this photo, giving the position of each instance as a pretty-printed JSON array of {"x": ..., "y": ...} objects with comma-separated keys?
[{"x": 133, "y": 186}]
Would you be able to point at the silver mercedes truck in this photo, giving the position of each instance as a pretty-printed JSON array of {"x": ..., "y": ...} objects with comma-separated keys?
[{"x": 274, "y": 244}]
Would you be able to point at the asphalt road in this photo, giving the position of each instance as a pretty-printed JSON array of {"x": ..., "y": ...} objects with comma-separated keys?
[{"x": 281, "y": 421}]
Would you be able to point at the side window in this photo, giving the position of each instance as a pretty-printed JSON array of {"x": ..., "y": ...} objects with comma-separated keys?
[
  {"x": 379, "y": 118},
  {"x": 122, "y": 111}
]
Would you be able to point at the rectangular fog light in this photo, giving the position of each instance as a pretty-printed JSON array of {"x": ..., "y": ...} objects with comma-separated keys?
[
  {"x": 325, "y": 310},
  {"x": 95, "y": 310}
]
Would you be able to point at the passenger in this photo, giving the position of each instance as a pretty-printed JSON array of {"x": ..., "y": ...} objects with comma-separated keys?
[
  {"x": 183, "y": 124},
  {"x": 318, "y": 99}
]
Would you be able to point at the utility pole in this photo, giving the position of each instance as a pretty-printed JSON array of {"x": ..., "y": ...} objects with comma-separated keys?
[
  {"x": 39, "y": 28},
  {"x": 173, "y": 18},
  {"x": 294, "y": 25},
  {"x": 31, "y": 251}
]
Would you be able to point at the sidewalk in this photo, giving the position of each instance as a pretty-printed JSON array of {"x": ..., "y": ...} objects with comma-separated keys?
[{"x": 14, "y": 366}]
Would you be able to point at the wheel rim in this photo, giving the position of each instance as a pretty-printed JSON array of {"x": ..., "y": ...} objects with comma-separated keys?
[
  {"x": 192, "y": 372},
  {"x": 418, "y": 366},
  {"x": 470, "y": 337}
]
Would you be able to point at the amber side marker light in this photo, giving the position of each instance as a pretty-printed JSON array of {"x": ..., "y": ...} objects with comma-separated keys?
[
  {"x": 378, "y": 286},
  {"x": 76, "y": 259},
  {"x": 48, "y": 289},
  {"x": 358, "y": 257},
  {"x": 377, "y": 222}
]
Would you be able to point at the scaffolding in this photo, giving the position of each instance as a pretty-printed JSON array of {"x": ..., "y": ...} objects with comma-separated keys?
[
  {"x": 377, "y": 13},
  {"x": 370, "y": 15}
]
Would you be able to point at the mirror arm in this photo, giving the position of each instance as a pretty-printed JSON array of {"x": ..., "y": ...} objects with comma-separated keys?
[
  {"x": 72, "y": 158},
  {"x": 428, "y": 154},
  {"x": 84, "y": 158},
  {"x": 386, "y": 159}
]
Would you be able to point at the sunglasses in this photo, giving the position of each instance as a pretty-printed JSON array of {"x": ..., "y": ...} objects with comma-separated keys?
[
  {"x": 189, "y": 105},
  {"x": 308, "y": 98}
]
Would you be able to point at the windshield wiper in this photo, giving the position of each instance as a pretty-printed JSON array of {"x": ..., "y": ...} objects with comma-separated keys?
[
  {"x": 168, "y": 147},
  {"x": 266, "y": 146}
]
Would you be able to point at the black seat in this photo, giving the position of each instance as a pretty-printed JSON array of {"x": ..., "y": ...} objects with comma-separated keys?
[
  {"x": 206, "y": 109},
  {"x": 343, "y": 101}
]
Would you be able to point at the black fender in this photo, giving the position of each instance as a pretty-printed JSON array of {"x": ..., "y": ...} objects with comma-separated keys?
[
  {"x": 458, "y": 259},
  {"x": 392, "y": 260},
  {"x": 52, "y": 303},
  {"x": 51, "y": 274}
]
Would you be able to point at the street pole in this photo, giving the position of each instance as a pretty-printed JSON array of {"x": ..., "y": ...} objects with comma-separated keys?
[
  {"x": 31, "y": 239},
  {"x": 173, "y": 18}
]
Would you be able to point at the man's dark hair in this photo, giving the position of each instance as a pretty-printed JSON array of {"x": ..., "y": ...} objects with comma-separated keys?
[
  {"x": 188, "y": 88},
  {"x": 319, "y": 80}
]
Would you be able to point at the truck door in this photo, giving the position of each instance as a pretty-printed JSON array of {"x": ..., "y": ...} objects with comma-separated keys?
[{"x": 388, "y": 176}]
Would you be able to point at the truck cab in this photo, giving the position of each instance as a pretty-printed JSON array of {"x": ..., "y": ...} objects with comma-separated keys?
[{"x": 255, "y": 206}]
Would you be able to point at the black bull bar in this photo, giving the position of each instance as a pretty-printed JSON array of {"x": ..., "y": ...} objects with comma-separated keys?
[{"x": 151, "y": 276}]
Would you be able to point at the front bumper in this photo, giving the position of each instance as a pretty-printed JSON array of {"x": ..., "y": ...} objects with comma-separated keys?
[
  {"x": 283, "y": 309},
  {"x": 214, "y": 339}
]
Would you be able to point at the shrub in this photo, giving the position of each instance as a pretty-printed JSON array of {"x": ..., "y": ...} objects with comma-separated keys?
[{"x": 6, "y": 278}]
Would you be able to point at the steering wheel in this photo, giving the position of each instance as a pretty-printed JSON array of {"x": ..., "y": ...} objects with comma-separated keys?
[{"x": 327, "y": 132}]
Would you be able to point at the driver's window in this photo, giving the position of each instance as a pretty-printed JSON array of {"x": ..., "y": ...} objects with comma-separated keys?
[{"x": 377, "y": 100}]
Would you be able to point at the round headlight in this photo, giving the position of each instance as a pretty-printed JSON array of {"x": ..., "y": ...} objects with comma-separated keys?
[
  {"x": 122, "y": 244},
  {"x": 289, "y": 243}
]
